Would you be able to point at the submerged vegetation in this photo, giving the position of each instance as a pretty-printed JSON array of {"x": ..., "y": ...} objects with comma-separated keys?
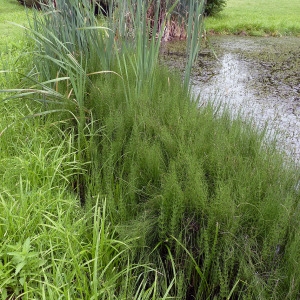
[{"x": 116, "y": 185}]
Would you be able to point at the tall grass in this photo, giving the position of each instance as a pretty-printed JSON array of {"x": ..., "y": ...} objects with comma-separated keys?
[
  {"x": 174, "y": 172},
  {"x": 120, "y": 187},
  {"x": 68, "y": 38}
]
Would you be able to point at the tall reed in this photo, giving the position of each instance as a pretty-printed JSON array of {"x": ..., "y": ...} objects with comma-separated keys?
[{"x": 148, "y": 24}]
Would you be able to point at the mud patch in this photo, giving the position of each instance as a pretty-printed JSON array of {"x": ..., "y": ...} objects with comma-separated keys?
[{"x": 258, "y": 77}]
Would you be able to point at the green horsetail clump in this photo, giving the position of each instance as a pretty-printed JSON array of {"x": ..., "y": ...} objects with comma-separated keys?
[
  {"x": 116, "y": 184},
  {"x": 200, "y": 191}
]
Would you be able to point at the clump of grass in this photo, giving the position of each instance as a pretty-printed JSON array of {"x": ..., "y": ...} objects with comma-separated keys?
[
  {"x": 48, "y": 239},
  {"x": 174, "y": 171}
]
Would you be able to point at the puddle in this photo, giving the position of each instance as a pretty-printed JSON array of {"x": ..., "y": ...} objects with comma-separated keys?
[{"x": 258, "y": 77}]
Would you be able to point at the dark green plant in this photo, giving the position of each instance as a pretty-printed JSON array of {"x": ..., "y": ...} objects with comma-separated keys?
[
  {"x": 213, "y": 7},
  {"x": 34, "y": 3}
]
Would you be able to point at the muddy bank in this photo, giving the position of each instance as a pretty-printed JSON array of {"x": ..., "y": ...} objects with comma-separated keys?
[{"x": 258, "y": 77}]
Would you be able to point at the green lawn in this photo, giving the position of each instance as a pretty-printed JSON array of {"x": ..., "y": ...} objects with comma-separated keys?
[
  {"x": 13, "y": 43},
  {"x": 259, "y": 17},
  {"x": 11, "y": 11}
]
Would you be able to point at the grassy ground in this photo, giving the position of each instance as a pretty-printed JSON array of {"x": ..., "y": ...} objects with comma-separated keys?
[
  {"x": 12, "y": 40},
  {"x": 179, "y": 203},
  {"x": 259, "y": 17},
  {"x": 11, "y": 11}
]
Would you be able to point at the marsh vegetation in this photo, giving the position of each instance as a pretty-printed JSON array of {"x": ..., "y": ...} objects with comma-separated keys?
[{"x": 116, "y": 185}]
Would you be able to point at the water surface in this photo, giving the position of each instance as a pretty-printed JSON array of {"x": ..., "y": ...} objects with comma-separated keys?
[{"x": 258, "y": 77}]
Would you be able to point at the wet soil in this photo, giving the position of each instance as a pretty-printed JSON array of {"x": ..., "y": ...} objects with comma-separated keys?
[{"x": 258, "y": 77}]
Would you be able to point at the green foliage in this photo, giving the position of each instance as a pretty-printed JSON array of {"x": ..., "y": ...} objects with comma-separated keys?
[
  {"x": 180, "y": 201},
  {"x": 21, "y": 264},
  {"x": 173, "y": 171},
  {"x": 213, "y": 7}
]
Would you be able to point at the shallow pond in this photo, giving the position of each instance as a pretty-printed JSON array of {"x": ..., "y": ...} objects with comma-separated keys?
[{"x": 258, "y": 77}]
